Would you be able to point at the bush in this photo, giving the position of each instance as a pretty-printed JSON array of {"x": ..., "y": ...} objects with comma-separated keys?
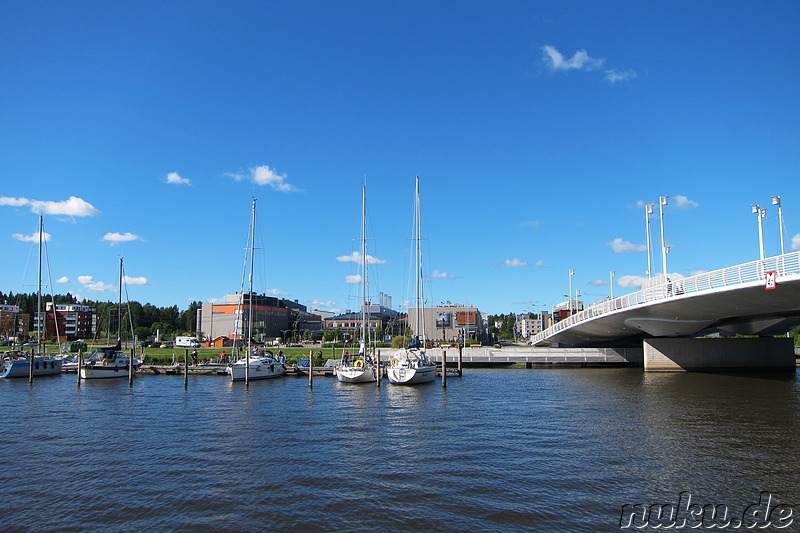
[{"x": 398, "y": 342}]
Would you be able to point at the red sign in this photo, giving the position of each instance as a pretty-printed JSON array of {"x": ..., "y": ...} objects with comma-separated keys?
[{"x": 770, "y": 277}]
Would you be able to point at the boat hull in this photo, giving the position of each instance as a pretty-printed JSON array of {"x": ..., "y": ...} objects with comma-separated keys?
[
  {"x": 104, "y": 372},
  {"x": 356, "y": 374},
  {"x": 20, "y": 368},
  {"x": 257, "y": 371},
  {"x": 411, "y": 376}
]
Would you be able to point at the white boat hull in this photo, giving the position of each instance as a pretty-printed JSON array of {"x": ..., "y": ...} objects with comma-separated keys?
[
  {"x": 20, "y": 368},
  {"x": 356, "y": 374},
  {"x": 89, "y": 371},
  {"x": 257, "y": 371},
  {"x": 411, "y": 376}
]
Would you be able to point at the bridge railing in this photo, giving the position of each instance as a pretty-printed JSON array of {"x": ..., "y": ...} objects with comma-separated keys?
[{"x": 782, "y": 265}]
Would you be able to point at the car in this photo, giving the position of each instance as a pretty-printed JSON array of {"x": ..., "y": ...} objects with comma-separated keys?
[
  {"x": 166, "y": 345},
  {"x": 30, "y": 343},
  {"x": 146, "y": 344}
]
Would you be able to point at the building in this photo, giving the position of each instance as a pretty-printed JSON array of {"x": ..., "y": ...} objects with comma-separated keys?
[
  {"x": 70, "y": 322},
  {"x": 272, "y": 318},
  {"x": 529, "y": 324},
  {"x": 14, "y": 324},
  {"x": 564, "y": 309},
  {"x": 348, "y": 324},
  {"x": 450, "y": 323}
]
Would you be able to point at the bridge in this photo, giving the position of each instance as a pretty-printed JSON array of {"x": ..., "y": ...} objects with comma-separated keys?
[{"x": 759, "y": 298}]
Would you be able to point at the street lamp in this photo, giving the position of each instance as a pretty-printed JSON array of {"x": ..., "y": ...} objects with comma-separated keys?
[
  {"x": 571, "y": 273},
  {"x": 776, "y": 200},
  {"x": 760, "y": 214},
  {"x": 662, "y": 201},
  {"x": 611, "y": 283},
  {"x": 648, "y": 210}
]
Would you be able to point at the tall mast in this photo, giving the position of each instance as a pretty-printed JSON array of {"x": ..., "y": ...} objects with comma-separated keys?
[
  {"x": 252, "y": 245},
  {"x": 119, "y": 306},
  {"x": 420, "y": 296},
  {"x": 39, "y": 318},
  {"x": 364, "y": 280}
]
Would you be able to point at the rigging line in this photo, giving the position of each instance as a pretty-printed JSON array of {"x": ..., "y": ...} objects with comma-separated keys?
[
  {"x": 52, "y": 295},
  {"x": 127, "y": 302}
]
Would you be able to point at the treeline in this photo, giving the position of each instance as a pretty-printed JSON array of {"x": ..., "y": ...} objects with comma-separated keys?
[
  {"x": 503, "y": 327},
  {"x": 146, "y": 319}
]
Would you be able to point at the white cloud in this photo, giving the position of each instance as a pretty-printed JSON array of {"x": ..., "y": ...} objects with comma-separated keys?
[
  {"x": 73, "y": 207},
  {"x": 796, "y": 242},
  {"x": 34, "y": 237},
  {"x": 355, "y": 257},
  {"x": 513, "y": 263},
  {"x": 63, "y": 279},
  {"x": 629, "y": 282},
  {"x": 276, "y": 292},
  {"x": 598, "y": 282},
  {"x": 317, "y": 304},
  {"x": 134, "y": 281},
  {"x": 530, "y": 224},
  {"x": 582, "y": 61},
  {"x": 442, "y": 275},
  {"x": 90, "y": 284},
  {"x": 697, "y": 272},
  {"x": 352, "y": 279},
  {"x": 175, "y": 178},
  {"x": 117, "y": 238},
  {"x": 264, "y": 175},
  {"x": 618, "y": 246},
  {"x": 682, "y": 202},
  {"x": 76, "y": 207},
  {"x": 540, "y": 263},
  {"x": 16, "y": 202}
]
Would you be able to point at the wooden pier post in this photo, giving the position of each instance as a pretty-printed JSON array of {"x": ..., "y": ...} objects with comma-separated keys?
[
  {"x": 130, "y": 366},
  {"x": 80, "y": 364},
  {"x": 460, "y": 346},
  {"x": 186, "y": 368},
  {"x": 311, "y": 369},
  {"x": 444, "y": 368},
  {"x": 378, "y": 368},
  {"x": 30, "y": 369}
]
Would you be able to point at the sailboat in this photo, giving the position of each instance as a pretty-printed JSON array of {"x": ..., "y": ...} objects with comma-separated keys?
[
  {"x": 40, "y": 365},
  {"x": 256, "y": 364},
  {"x": 111, "y": 361},
  {"x": 361, "y": 367},
  {"x": 412, "y": 365}
]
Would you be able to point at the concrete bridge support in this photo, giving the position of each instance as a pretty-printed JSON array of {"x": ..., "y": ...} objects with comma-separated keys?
[{"x": 679, "y": 354}]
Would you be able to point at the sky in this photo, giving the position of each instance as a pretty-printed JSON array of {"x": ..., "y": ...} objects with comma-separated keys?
[{"x": 539, "y": 130}]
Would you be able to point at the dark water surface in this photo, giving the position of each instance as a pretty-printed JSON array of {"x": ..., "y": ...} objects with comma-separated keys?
[{"x": 498, "y": 450}]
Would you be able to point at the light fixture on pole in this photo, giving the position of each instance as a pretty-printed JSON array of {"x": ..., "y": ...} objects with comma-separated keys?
[
  {"x": 611, "y": 283},
  {"x": 760, "y": 214},
  {"x": 662, "y": 201},
  {"x": 577, "y": 299},
  {"x": 571, "y": 273},
  {"x": 648, "y": 210},
  {"x": 776, "y": 200}
]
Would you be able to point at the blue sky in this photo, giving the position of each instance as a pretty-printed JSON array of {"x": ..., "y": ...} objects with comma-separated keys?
[{"x": 538, "y": 129}]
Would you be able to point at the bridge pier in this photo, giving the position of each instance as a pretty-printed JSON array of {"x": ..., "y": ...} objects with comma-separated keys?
[{"x": 687, "y": 354}]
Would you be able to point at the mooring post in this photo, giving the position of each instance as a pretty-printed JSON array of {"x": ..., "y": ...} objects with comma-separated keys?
[
  {"x": 311, "y": 369},
  {"x": 130, "y": 365},
  {"x": 30, "y": 369},
  {"x": 186, "y": 368},
  {"x": 444, "y": 368},
  {"x": 378, "y": 368},
  {"x": 80, "y": 364},
  {"x": 459, "y": 360}
]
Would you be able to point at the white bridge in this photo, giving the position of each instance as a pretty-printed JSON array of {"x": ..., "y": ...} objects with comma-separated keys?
[{"x": 758, "y": 298}]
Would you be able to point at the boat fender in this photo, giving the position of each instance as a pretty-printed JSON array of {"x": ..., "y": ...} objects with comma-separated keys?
[
  {"x": 359, "y": 363},
  {"x": 271, "y": 369}
]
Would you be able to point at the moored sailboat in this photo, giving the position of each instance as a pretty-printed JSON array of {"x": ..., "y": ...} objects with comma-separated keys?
[
  {"x": 256, "y": 364},
  {"x": 361, "y": 367},
  {"x": 412, "y": 365}
]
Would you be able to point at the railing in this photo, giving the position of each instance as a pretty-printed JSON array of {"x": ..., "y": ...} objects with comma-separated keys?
[{"x": 782, "y": 265}]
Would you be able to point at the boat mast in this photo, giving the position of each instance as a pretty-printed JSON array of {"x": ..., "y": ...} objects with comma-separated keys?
[
  {"x": 418, "y": 265},
  {"x": 364, "y": 281},
  {"x": 252, "y": 245},
  {"x": 39, "y": 316},
  {"x": 119, "y": 307}
]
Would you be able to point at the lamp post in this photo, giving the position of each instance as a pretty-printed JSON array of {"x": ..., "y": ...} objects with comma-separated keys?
[
  {"x": 577, "y": 298},
  {"x": 776, "y": 200},
  {"x": 662, "y": 201},
  {"x": 571, "y": 273},
  {"x": 611, "y": 283},
  {"x": 648, "y": 210},
  {"x": 760, "y": 214}
]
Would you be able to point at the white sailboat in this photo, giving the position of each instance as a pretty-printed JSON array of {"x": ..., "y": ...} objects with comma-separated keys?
[
  {"x": 412, "y": 365},
  {"x": 361, "y": 367},
  {"x": 256, "y": 364},
  {"x": 110, "y": 362},
  {"x": 39, "y": 365}
]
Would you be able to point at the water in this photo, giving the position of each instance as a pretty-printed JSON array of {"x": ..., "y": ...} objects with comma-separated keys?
[{"x": 498, "y": 450}]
